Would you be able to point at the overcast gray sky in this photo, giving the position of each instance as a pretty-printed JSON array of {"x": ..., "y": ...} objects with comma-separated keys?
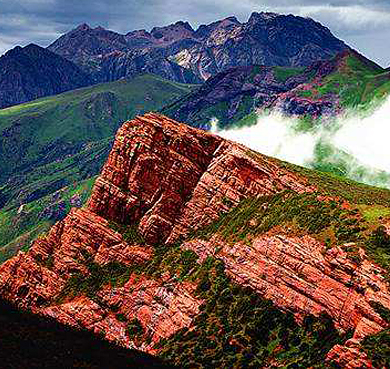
[{"x": 363, "y": 24}]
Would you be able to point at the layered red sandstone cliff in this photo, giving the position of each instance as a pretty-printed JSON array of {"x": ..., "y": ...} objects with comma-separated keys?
[{"x": 171, "y": 179}]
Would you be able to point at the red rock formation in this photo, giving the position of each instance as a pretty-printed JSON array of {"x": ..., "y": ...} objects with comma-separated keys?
[
  {"x": 349, "y": 357},
  {"x": 151, "y": 172},
  {"x": 171, "y": 179},
  {"x": 162, "y": 307},
  {"x": 298, "y": 274}
]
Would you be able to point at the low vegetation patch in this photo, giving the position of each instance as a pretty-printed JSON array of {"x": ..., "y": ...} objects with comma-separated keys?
[
  {"x": 282, "y": 74},
  {"x": 377, "y": 346},
  {"x": 331, "y": 221},
  {"x": 129, "y": 232},
  {"x": 114, "y": 273},
  {"x": 239, "y": 329}
]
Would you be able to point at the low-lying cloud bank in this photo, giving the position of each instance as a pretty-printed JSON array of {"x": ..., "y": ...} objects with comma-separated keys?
[{"x": 360, "y": 144}]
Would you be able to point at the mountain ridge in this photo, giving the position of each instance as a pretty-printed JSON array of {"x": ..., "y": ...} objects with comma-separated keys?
[
  {"x": 202, "y": 52},
  {"x": 231, "y": 96},
  {"x": 32, "y": 71},
  {"x": 176, "y": 52}
]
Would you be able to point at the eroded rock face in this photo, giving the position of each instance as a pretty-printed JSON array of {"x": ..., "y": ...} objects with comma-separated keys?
[
  {"x": 151, "y": 173},
  {"x": 170, "y": 180},
  {"x": 300, "y": 275},
  {"x": 35, "y": 280},
  {"x": 163, "y": 307},
  {"x": 349, "y": 357}
]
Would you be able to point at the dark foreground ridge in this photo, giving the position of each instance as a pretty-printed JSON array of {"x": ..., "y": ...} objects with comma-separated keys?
[{"x": 32, "y": 341}]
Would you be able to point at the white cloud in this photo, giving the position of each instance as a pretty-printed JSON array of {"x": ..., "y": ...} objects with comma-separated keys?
[
  {"x": 365, "y": 138},
  {"x": 368, "y": 138},
  {"x": 351, "y": 18},
  {"x": 274, "y": 135}
]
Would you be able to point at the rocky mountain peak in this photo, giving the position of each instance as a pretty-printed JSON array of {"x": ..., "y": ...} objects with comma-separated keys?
[
  {"x": 139, "y": 32},
  {"x": 185, "y": 25},
  {"x": 13, "y": 51},
  {"x": 83, "y": 27},
  {"x": 262, "y": 16},
  {"x": 232, "y": 19},
  {"x": 33, "y": 49},
  {"x": 173, "y": 32},
  {"x": 205, "y": 30},
  {"x": 178, "y": 51}
]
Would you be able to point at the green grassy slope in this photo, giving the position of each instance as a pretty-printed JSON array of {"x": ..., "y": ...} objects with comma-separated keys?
[
  {"x": 45, "y": 130},
  {"x": 349, "y": 83},
  {"x": 354, "y": 82},
  {"x": 54, "y": 143},
  {"x": 19, "y": 226}
]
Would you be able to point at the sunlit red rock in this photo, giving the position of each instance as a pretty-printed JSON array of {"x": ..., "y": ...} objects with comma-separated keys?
[{"x": 170, "y": 179}]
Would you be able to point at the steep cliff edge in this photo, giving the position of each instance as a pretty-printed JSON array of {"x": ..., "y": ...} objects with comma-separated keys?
[{"x": 188, "y": 236}]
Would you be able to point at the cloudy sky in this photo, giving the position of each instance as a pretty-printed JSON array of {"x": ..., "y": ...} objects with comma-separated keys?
[{"x": 363, "y": 24}]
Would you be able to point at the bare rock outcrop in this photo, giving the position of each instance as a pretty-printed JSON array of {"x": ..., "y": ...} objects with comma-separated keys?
[{"x": 168, "y": 180}]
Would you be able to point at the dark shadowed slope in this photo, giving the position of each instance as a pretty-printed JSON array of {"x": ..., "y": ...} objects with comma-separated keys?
[
  {"x": 32, "y": 72},
  {"x": 31, "y": 341}
]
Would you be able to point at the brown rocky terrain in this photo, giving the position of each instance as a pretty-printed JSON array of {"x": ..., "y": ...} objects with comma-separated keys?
[{"x": 163, "y": 184}]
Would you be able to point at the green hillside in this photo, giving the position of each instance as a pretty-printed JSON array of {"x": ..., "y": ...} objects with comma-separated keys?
[
  {"x": 21, "y": 225},
  {"x": 349, "y": 80},
  {"x": 348, "y": 83},
  {"x": 48, "y": 146},
  {"x": 44, "y": 130},
  {"x": 354, "y": 82}
]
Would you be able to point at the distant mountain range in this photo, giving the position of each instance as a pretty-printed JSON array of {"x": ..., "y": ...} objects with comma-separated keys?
[
  {"x": 266, "y": 39},
  {"x": 51, "y": 148},
  {"x": 323, "y": 88},
  {"x": 176, "y": 52},
  {"x": 31, "y": 72}
]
